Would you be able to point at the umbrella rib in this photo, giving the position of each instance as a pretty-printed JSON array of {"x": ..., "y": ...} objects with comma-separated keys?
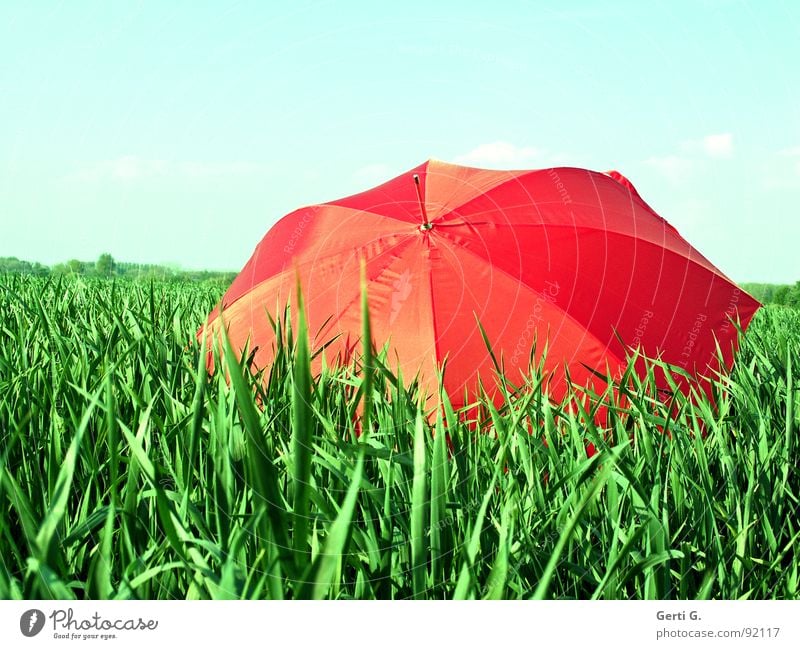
[
  {"x": 519, "y": 176},
  {"x": 434, "y": 328},
  {"x": 403, "y": 239},
  {"x": 712, "y": 272}
]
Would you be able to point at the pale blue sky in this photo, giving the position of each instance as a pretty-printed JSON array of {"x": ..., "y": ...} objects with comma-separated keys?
[{"x": 178, "y": 132}]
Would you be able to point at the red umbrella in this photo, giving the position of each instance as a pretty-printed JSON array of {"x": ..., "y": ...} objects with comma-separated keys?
[{"x": 566, "y": 256}]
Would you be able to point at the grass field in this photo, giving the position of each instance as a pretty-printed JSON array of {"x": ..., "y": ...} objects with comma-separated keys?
[{"x": 127, "y": 472}]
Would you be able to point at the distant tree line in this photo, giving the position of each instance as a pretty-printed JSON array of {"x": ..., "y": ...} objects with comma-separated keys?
[
  {"x": 784, "y": 294},
  {"x": 107, "y": 266}
]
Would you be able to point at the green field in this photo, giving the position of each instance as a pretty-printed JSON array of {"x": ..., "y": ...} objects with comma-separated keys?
[{"x": 127, "y": 472}]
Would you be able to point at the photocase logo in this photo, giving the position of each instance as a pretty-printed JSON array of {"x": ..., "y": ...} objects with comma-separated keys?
[{"x": 31, "y": 622}]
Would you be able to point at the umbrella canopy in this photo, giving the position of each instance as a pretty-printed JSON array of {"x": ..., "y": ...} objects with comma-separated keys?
[{"x": 563, "y": 256}]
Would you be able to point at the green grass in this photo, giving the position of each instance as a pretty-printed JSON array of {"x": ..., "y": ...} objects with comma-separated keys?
[{"x": 127, "y": 472}]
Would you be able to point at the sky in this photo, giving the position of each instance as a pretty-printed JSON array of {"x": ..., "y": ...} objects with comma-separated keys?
[{"x": 179, "y": 132}]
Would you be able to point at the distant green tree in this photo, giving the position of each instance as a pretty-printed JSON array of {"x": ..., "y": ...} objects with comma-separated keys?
[
  {"x": 781, "y": 293},
  {"x": 793, "y": 296},
  {"x": 105, "y": 265},
  {"x": 74, "y": 266},
  {"x": 14, "y": 265}
]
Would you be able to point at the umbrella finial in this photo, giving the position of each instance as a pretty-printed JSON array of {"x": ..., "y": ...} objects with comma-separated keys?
[{"x": 426, "y": 225}]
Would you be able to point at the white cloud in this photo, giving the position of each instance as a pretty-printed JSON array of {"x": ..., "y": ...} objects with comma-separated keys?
[
  {"x": 715, "y": 145},
  {"x": 130, "y": 168},
  {"x": 125, "y": 169},
  {"x": 499, "y": 154},
  {"x": 719, "y": 145},
  {"x": 674, "y": 168},
  {"x": 691, "y": 156},
  {"x": 211, "y": 169},
  {"x": 780, "y": 179},
  {"x": 491, "y": 155},
  {"x": 373, "y": 174},
  {"x": 782, "y": 171}
]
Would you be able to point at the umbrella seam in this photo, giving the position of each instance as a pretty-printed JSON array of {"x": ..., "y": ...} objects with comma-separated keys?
[{"x": 571, "y": 318}]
